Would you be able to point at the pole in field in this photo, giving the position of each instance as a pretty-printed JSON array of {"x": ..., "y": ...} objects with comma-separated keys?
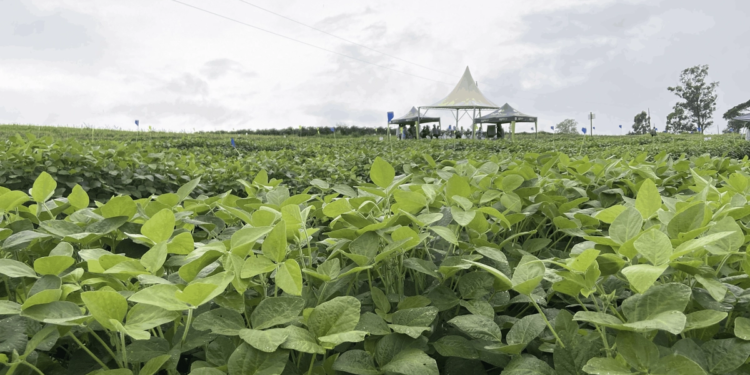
[
  {"x": 137, "y": 129},
  {"x": 388, "y": 125},
  {"x": 592, "y": 116}
]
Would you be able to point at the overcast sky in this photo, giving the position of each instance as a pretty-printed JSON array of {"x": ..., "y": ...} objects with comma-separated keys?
[{"x": 107, "y": 63}]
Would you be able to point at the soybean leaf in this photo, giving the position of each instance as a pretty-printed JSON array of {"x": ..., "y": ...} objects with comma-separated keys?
[
  {"x": 626, "y": 226},
  {"x": 412, "y": 362},
  {"x": 340, "y": 314},
  {"x": 301, "y": 340},
  {"x": 105, "y": 305},
  {"x": 221, "y": 321},
  {"x": 274, "y": 311},
  {"x": 265, "y": 340},
  {"x": 274, "y": 246},
  {"x": 382, "y": 173},
  {"x": 478, "y": 327},
  {"x": 289, "y": 277},
  {"x": 247, "y": 360},
  {"x": 648, "y": 200},
  {"x": 159, "y": 227},
  {"x": 357, "y": 362},
  {"x": 44, "y": 187}
]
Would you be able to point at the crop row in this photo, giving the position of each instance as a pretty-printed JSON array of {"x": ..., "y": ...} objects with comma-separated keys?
[
  {"x": 536, "y": 264},
  {"x": 106, "y": 168}
]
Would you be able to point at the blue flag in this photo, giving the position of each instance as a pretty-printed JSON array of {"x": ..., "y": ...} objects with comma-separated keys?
[
  {"x": 136, "y": 123},
  {"x": 552, "y": 127},
  {"x": 233, "y": 144},
  {"x": 390, "y": 116},
  {"x": 620, "y": 126},
  {"x": 583, "y": 130},
  {"x": 333, "y": 129}
]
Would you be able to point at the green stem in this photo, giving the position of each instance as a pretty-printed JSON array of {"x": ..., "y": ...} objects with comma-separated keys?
[
  {"x": 602, "y": 331},
  {"x": 124, "y": 350},
  {"x": 38, "y": 371},
  {"x": 109, "y": 350},
  {"x": 187, "y": 326},
  {"x": 6, "y": 281},
  {"x": 85, "y": 349},
  {"x": 547, "y": 322},
  {"x": 322, "y": 292},
  {"x": 312, "y": 363}
]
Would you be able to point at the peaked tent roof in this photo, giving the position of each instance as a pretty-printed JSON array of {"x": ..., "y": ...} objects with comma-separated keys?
[
  {"x": 411, "y": 118},
  {"x": 504, "y": 115},
  {"x": 465, "y": 95},
  {"x": 742, "y": 118}
]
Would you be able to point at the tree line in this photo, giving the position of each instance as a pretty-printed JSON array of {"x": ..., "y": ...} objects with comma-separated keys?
[
  {"x": 315, "y": 131},
  {"x": 693, "y": 112}
]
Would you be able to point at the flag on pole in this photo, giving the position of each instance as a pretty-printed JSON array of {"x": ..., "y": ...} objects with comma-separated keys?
[
  {"x": 233, "y": 144},
  {"x": 333, "y": 129},
  {"x": 136, "y": 123},
  {"x": 620, "y": 126},
  {"x": 552, "y": 127},
  {"x": 583, "y": 130}
]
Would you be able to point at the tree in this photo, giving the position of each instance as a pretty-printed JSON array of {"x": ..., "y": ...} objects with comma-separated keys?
[
  {"x": 641, "y": 123},
  {"x": 567, "y": 126},
  {"x": 678, "y": 121},
  {"x": 734, "y": 112},
  {"x": 699, "y": 98}
]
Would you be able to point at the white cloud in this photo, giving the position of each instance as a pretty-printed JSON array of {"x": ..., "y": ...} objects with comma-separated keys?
[{"x": 173, "y": 67}]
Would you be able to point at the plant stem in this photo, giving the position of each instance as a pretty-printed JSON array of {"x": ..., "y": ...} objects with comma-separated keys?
[
  {"x": 33, "y": 367},
  {"x": 602, "y": 331},
  {"x": 109, "y": 350},
  {"x": 312, "y": 363},
  {"x": 187, "y": 326},
  {"x": 85, "y": 349},
  {"x": 547, "y": 322},
  {"x": 124, "y": 350}
]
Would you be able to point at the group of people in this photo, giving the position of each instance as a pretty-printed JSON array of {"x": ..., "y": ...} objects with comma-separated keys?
[{"x": 436, "y": 132}]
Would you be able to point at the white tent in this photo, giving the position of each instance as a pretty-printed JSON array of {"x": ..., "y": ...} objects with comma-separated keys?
[{"x": 465, "y": 96}]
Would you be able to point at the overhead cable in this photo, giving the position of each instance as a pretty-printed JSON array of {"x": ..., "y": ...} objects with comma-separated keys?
[
  {"x": 344, "y": 39},
  {"x": 307, "y": 44}
]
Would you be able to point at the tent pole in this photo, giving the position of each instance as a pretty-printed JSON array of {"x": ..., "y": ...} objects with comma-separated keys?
[
  {"x": 473, "y": 125},
  {"x": 512, "y": 131},
  {"x": 419, "y": 117},
  {"x": 480, "y": 115},
  {"x": 457, "y": 121}
]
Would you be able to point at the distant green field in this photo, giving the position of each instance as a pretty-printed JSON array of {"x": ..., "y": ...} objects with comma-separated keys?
[{"x": 180, "y": 254}]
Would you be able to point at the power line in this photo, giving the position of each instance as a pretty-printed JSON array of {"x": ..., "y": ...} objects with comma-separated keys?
[
  {"x": 344, "y": 39},
  {"x": 305, "y": 43}
]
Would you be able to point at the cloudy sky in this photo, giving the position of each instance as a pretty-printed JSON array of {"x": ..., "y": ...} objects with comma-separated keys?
[{"x": 174, "y": 67}]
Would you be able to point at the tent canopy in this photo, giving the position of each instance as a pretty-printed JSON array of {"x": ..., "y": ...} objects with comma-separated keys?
[
  {"x": 465, "y": 95},
  {"x": 411, "y": 118},
  {"x": 742, "y": 118},
  {"x": 506, "y": 114}
]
